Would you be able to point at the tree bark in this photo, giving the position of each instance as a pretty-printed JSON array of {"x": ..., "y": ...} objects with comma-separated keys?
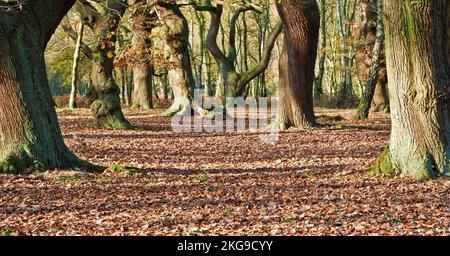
[
  {"x": 180, "y": 74},
  {"x": 29, "y": 129},
  {"x": 76, "y": 62},
  {"x": 301, "y": 20},
  {"x": 345, "y": 89},
  {"x": 318, "y": 83},
  {"x": 380, "y": 99},
  {"x": 103, "y": 19},
  {"x": 142, "y": 26},
  {"x": 177, "y": 53},
  {"x": 419, "y": 75},
  {"x": 373, "y": 81},
  {"x": 142, "y": 91}
]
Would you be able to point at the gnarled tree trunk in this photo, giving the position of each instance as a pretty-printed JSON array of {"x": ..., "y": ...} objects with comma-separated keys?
[
  {"x": 180, "y": 74},
  {"x": 232, "y": 83},
  {"x": 179, "y": 68},
  {"x": 103, "y": 18},
  {"x": 29, "y": 129},
  {"x": 419, "y": 75},
  {"x": 141, "y": 26},
  {"x": 301, "y": 20}
]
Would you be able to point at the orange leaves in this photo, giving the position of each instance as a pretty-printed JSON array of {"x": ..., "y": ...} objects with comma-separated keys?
[{"x": 312, "y": 182}]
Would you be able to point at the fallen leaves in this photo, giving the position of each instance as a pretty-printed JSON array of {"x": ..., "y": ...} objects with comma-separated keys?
[{"x": 309, "y": 183}]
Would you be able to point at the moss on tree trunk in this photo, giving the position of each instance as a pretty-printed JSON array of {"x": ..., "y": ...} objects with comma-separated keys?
[
  {"x": 419, "y": 75},
  {"x": 29, "y": 129},
  {"x": 103, "y": 18}
]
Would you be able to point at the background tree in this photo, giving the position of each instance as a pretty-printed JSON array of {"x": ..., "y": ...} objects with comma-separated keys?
[
  {"x": 142, "y": 21},
  {"x": 103, "y": 18},
  {"x": 318, "y": 90},
  {"x": 373, "y": 79},
  {"x": 75, "y": 72},
  {"x": 301, "y": 21},
  {"x": 233, "y": 82},
  {"x": 178, "y": 60}
]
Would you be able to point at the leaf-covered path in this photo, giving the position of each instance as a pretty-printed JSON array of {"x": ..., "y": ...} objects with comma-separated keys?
[{"x": 311, "y": 182}]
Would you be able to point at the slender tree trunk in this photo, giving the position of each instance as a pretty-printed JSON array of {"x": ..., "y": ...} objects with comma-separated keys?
[
  {"x": 345, "y": 86},
  {"x": 372, "y": 81},
  {"x": 318, "y": 90},
  {"x": 165, "y": 86},
  {"x": 129, "y": 86},
  {"x": 419, "y": 75},
  {"x": 301, "y": 25},
  {"x": 76, "y": 61},
  {"x": 29, "y": 129},
  {"x": 122, "y": 76},
  {"x": 155, "y": 90}
]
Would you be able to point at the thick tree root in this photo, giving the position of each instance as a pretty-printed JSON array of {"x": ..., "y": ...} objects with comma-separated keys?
[
  {"x": 381, "y": 108},
  {"x": 108, "y": 113},
  {"x": 383, "y": 165},
  {"x": 12, "y": 165},
  {"x": 420, "y": 168},
  {"x": 138, "y": 106},
  {"x": 183, "y": 107},
  {"x": 360, "y": 115},
  {"x": 112, "y": 122},
  {"x": 15, "y": 163},
  {"x": 279, "y": 125},
  {"x": 177, "y": 109}
]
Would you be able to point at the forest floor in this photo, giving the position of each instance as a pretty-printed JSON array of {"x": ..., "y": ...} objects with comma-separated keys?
[{"x": 311, "y": 182}]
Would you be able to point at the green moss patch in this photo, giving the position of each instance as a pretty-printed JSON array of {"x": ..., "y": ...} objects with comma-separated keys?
[
  {"x": 12, "y": 165},
  {"x": 383, "y": 165}
]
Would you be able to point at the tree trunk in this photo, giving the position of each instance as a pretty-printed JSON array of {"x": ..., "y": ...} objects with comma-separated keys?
[
  {"x": 372, "y": 81},
  {"x": 141, "y": 28},
  {"x": 76, "y": 61},
  {"x": 104, "y": 20},
  {"x": 380, "y": 100},
  {"x": 142, "y": 91},
  {"x": 106, "y": 107},
  {"x": 177, "y": 53},
  {"x": 318, "y": 90},
  {"x": 301, "y": 22},
  {"x": 419, "y": 75},
  {"x": 345, "y": 87},
  {"x": 29, "y": 129},
  {"x": 231, "y": 82},
  {"x": 180, "y": 74}
]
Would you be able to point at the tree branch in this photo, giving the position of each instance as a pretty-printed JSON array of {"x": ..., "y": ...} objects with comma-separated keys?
[
  {"x": 87, "y": 51},
  {"x": 251, "y": 74}
]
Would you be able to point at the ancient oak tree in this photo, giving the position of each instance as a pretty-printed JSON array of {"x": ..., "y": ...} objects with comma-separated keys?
[{"x": 419, "y": 74}]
